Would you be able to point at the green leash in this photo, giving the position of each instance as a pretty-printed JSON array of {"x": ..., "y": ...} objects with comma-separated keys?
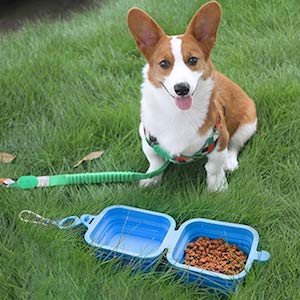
[{"x": 31, "y": 182}]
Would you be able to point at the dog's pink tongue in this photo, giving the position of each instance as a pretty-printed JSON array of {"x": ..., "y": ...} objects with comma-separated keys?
[{"x": 184, "y": 103}]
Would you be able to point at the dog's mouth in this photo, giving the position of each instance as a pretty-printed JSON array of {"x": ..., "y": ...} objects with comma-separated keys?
[{"x": 183, "y": 103}]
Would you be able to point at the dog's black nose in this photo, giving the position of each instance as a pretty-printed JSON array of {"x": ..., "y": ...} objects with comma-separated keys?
[{"x": 182, "y": 88}]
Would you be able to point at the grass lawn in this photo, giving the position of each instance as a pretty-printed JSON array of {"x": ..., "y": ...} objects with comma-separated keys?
[{"x": 71, "y": 87}]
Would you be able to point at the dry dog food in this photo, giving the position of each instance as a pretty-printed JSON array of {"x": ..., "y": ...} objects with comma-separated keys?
[{"x": 215, "y": 255}]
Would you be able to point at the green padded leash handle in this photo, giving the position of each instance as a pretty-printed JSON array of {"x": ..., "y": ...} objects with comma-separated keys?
[{"x": 30, "y": 182}]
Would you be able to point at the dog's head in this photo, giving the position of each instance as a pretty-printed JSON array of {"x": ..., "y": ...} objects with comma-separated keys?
[{"x": 177, "y": 63}]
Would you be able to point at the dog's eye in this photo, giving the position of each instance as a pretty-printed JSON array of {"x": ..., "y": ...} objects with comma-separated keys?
[
  {"x": 192, "y": 61},
  {"x": 165, "y": 64}
]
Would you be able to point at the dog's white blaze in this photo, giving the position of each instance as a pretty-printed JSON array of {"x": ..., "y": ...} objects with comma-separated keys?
[{"x": 180, "y": 72}]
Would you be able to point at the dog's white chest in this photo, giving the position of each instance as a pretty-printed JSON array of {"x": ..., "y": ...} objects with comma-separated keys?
[
  {"x": 177, "y": 136},
  {"x": 176, "y": 131}
]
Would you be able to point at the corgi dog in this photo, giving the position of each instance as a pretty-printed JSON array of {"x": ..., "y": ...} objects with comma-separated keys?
[{"x": 185, "y": 100}]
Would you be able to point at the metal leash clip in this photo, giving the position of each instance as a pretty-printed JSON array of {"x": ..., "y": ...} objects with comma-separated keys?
[
  {"x": 7, "y": 182},
  {"x": 29, "y": 216}
]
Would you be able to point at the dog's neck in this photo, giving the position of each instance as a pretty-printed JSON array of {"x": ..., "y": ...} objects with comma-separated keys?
[{"x": 176, "y": 130}]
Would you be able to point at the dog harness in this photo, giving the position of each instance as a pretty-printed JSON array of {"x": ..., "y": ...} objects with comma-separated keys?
[{"x": 208, "y": 146}]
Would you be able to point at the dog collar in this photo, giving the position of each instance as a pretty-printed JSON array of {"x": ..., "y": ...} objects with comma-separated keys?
[{"x": 208, "y": 146}]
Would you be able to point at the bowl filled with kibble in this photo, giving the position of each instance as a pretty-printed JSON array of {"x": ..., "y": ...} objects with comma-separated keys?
[{"x": 215, "y": 254}]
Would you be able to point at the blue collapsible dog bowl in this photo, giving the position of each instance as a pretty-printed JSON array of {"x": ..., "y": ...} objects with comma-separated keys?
[
  {"x": 136, "y": 235},
  {"x": 141, "y": 236}
]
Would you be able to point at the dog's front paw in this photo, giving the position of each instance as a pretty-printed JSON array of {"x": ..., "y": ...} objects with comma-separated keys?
[
  {"x": 217, "y": 182},
  {"x": 231, "y": 162},
  {"x": 150, "y": 182}
]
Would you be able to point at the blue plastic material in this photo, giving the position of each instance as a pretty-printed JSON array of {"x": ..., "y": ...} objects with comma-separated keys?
[
  {"x": 68, "y": 223},
  {"x": 140, "y": 236}
]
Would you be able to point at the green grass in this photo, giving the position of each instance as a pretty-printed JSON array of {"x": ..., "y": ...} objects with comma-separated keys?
[{"x": 71, "y": 87}]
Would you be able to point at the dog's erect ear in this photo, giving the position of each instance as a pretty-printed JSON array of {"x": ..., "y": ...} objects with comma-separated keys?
[
  {"x": 204, "y": 25},
  {"x": 145, "y": 31}
]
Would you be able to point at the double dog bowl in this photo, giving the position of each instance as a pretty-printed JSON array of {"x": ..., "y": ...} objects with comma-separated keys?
[{"x": 141, "y": 236}]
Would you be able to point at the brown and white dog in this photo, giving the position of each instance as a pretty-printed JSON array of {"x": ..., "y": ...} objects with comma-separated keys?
[{"x": 183, "y": 95}]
